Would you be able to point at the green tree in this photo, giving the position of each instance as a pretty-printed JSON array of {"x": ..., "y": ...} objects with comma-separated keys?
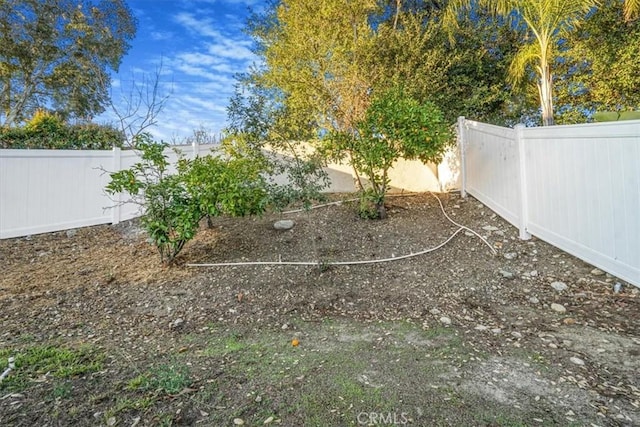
[
  {"x": 547, "y": 23},
  {"x": 468, "y": 77},
  {"x": 262, "y": 127},
  {"x": 601, "y": 71},
  {"x": 57, "y": 53},
  {"x": 314, "y": 53},
  {"x": 394, "y": 126},
  {"x": 174, "y": 203}
]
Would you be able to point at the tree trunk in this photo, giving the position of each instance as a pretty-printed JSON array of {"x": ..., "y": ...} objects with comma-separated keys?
[
  {"x": 545, "y": 89},
  {"x": 395, "y": 19},
  {"x": 381, "y": 209}
]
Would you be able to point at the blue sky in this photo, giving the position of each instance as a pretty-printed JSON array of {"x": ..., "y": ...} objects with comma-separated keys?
[{"x": 201, "y": 46}]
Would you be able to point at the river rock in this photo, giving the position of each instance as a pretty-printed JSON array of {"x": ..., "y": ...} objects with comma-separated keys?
[
  {"x": 506, "y": 274},
  {"x": 577, "y": 361},
  {"x": 559, "y": 286},
  {"x": 284, "y": 224}
]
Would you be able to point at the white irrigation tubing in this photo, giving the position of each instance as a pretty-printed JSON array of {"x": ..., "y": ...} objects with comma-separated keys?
[
  {"x": 6, "y": 372},
  {"x": 370, "y": 261},
  {"x": 339, "y": 202}
]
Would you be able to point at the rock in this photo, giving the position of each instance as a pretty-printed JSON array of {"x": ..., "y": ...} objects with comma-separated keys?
[
  {"x": 533, "y": 273},
  {"x": 490, "y": 228},
  {"x": 71, "y": 233},
  {"x": 617, "y": 287},
  {"x": 268, "y": 421},
  {"x": 496, "y": 331},
  {"x": 510, "y": 255},
  {"x": 506, "y": 274},
  {"x": 434, "y": 311},
  {"x": 481, "y": 328},
  {"x": 177, "y": 323},
  {"x": 597, "y": 272},
  {"x": 468, "y": 233},
  {"x": 559, "y": 286},
  {"x": 516, "y": 334},
  {"x": 238, "y": 421},
  {"x": 534, "y": 300},
  {"x": 285, "y": 326},
  {"x": 559, "y": 308},
  {"x": 111, "y": 421},
  {"x": 284, "y": 224},
  {"x": 445, "y": 320},
  {"x": 577, "y": 361},
  {"x": 258, "y": 399}
]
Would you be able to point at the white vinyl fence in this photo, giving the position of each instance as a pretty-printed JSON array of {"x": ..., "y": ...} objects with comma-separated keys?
[
  {"x": 576, "y": 187},
  {"x": 51, "y": 190}
]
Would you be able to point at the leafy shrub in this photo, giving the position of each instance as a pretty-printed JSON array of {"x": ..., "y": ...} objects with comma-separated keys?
[
  {"x": 226, "y": 184},
  {"x": 395, "y": 126},
  {"x": 171, "y": 215},
  {"x": 174, "y": 204},
  {"x": 48, "y": 131},
  {"x": 235, "y": 181},
  {"x": 44, "y": 122},
  {"x": 92, "y": 136}
]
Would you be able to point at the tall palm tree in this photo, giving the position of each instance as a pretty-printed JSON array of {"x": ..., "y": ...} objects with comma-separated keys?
[{"x": 547, "y": 22}]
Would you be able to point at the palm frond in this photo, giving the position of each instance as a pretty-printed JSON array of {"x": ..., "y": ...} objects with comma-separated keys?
[
  {"x": 526, "y": 55},
  {"x": 631, "y": 9}
]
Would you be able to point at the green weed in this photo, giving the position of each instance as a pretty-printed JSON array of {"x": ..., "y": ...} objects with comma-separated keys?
[{"x": 58, "y": 362}]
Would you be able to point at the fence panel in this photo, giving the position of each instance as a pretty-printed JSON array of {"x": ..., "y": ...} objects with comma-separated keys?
[
  {"x": 52, "y": 190},
  {"x": 583, "y": 191},
  {"x": 492, "y": 168},
  {"x": 576, "y": 187},
  {"x": 47, "y": 190}
]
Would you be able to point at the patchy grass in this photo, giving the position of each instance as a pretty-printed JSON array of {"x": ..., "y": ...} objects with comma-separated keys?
[
  {"x": 40, "y": 363},
  {"x": 343, "y": 373}
]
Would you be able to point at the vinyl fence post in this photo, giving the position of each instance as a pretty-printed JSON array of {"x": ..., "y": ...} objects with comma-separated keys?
[
  {"x": 196, "y": 149},
  {"x": 522, "y": 168},
  {"x": 461, "y": 148},
  {"x": 116, "y": 211}
]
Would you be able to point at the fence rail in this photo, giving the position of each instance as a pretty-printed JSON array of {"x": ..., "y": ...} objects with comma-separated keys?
[{"x": 576, "y": 187}]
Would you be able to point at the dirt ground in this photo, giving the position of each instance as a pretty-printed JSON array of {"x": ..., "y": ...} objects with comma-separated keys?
[{"x": 528, "y": 335}]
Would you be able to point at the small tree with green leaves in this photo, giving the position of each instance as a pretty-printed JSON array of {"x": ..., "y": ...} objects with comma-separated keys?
[
  {"x": 171, "y": 215},
  {"x": 395, "y": 126},
  {"x": 229, "y": 182}
]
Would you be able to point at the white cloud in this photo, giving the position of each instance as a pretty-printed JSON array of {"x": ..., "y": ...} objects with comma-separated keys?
[
  {"x": 232, "y": 49},
  {"x": 161, "y": 35},
  {"x": 203, "y": 27},
  {"x": 201, "y": 48},
  {"x": 206, "y": 104}
]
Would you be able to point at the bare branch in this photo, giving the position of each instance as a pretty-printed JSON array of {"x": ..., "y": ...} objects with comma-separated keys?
[{"x": 140, "y": 105}]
